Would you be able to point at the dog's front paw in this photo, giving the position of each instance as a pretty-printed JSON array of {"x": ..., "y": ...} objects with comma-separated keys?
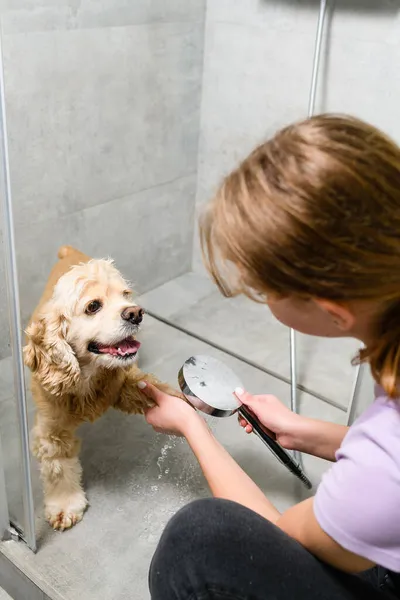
[
  {"x": 64, "y": 515},
  {"x": 167, "y": 389}
]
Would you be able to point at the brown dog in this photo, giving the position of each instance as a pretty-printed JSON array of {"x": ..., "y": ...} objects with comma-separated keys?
[{"x": 81, "y": 349}]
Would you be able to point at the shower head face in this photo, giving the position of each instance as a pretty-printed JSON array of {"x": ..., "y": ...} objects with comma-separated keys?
[{"x": 209, "y": 385}]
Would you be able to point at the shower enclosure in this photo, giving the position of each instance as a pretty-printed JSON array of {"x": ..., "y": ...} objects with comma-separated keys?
[{"x": 119, "y": 119}]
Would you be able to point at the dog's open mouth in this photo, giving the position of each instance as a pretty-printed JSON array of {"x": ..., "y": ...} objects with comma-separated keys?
[{"x": 125, "y": 349}]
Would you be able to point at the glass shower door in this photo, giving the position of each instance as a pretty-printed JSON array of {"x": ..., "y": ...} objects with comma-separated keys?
[
  {"x": 16, "y": 499},
  {"x": 4, "y": 517}
]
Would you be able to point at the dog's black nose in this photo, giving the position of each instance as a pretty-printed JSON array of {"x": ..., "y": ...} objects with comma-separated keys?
[{"x": 133, "y": 314}]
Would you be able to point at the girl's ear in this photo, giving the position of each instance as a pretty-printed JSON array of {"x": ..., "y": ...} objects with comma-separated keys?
[{"x": 341, "y": 314}]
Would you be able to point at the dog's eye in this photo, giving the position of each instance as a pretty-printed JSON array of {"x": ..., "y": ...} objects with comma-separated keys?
[
  {"x": 93, "y": 307},
  {"x": 127, "y": 293}
]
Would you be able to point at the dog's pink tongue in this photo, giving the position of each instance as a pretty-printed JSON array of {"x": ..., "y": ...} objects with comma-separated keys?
[
  {"x": 125, "y": 347},
  {"x": 129, "y": 346}
]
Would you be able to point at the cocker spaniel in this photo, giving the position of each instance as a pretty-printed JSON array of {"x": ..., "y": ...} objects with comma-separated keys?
[{"x": 81, "y": 349}]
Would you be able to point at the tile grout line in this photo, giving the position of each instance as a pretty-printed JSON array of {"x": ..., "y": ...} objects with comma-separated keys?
[{"x": 122, "y": 198}]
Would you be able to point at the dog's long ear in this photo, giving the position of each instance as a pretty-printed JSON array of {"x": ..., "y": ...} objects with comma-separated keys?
[{"x": 48, "y": 354}]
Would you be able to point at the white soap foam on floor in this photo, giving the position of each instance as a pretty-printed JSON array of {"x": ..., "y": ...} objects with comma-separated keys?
[{"x": 169, "y": 445}]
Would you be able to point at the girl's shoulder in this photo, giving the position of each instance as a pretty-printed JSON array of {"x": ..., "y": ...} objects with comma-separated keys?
[
  {"x": 380, "y": 420},
  {"x": 358, "y": 499}
]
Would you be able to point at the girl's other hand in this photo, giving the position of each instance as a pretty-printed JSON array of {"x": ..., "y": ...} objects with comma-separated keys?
[{"x": 274, "y": 416}]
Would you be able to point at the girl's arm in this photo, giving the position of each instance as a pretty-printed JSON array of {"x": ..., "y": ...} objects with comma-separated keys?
[
  {"x": 318, "y": 438},
  {"x": 227, "y": 480},
  {"x": 292, "y": 431},
  {"x": 224, "y": 476}
]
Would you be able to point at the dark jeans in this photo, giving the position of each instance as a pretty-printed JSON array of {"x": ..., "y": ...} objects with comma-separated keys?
[{"x": 218, "y": 550}]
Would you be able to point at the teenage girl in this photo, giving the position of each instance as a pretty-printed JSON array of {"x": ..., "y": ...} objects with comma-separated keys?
[{"x": 310, "y": 222}]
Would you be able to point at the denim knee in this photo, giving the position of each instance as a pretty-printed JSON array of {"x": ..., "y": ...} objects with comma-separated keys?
[
  {"x": 177, "y": 552},
  {"x": 201, "y": 542}
]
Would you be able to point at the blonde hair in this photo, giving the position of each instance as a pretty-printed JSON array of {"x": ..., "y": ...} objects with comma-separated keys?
[{"x": 315, "y": 212}]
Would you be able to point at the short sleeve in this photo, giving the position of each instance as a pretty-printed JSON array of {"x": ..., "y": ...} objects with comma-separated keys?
[{"x": 358, "y": 501}]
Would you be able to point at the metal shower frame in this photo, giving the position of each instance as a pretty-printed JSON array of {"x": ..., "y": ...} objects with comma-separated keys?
[
  {"x": 28, "y": 533},
  {"x": 351, "y": 410}
]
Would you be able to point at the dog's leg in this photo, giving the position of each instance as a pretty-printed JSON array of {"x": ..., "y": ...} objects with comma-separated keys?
[
  {"x": 57, "y": 452},
  {"x": 132, "y": 400}
]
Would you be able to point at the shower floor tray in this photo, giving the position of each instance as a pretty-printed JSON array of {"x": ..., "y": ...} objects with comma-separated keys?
[{"x": 137, "y": 479}]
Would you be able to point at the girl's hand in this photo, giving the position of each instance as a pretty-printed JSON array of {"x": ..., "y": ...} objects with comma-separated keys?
[
  {"x": 171, "y": 415},
  {"x": 274, "y": 416}
]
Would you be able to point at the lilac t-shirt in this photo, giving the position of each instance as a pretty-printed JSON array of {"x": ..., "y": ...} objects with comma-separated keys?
[{"x": 358, "y": 501}]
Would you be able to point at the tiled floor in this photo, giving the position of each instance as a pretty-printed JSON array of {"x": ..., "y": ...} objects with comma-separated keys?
[
  {"x": 249, "y": 330},
  {"x": 136, "y": 479},
  {"x": 4, "y": 595}
]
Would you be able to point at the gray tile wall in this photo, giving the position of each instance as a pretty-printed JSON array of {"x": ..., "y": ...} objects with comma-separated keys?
[
  {"x": 104, "y": 113},
  {"x": 257, "y": 73},
  {"x": 103, "y": 101}
]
